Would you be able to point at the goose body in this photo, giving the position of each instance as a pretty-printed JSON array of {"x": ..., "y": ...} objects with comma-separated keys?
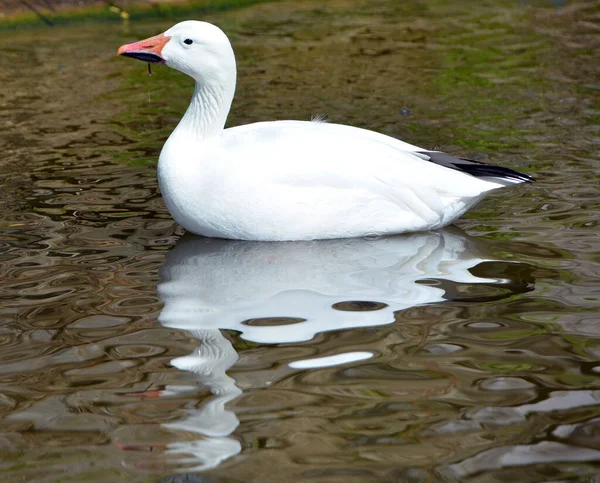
[{"x": 295, "y": 180}]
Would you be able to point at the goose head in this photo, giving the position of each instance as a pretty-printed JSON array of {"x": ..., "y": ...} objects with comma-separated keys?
[{"x": 198, "y": 49}]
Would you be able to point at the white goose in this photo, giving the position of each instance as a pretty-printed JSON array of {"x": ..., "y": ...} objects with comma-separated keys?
[{"x": 295, "y": 180}]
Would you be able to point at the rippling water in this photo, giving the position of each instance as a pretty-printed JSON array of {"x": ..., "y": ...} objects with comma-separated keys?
[{"x": 131, "y": 353}]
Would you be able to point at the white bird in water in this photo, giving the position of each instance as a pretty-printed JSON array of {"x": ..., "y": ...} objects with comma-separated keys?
[{"x": 295, "y": 180}]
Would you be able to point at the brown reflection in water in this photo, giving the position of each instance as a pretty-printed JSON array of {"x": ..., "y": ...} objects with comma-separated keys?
[
  {"x": 358, "y": 306},
  {"x": 273, "y": 321}
]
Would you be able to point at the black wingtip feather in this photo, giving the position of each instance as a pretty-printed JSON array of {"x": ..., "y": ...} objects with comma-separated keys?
[{"x": 476, "y": 168}]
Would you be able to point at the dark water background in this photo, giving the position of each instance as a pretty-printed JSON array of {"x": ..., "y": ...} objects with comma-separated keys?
[{"x": 465, "y": 354}]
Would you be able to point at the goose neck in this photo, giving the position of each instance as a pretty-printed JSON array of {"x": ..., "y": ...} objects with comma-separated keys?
[{"x": 207, "y": 112}]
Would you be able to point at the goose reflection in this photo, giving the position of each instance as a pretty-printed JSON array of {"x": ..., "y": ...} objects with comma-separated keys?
[
  {"x": 286, "y": 292},
  {"x": 308, "y": 287}
]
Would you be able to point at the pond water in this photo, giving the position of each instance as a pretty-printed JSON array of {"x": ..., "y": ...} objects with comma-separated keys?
[{"x": 131, "y": 353}]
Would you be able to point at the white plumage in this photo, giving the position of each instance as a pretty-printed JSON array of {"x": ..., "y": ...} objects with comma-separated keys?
[{"x": 295, "y": 180}]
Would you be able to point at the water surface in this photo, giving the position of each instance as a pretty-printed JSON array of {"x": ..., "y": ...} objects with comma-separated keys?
[{"x": 131, "y": 353}]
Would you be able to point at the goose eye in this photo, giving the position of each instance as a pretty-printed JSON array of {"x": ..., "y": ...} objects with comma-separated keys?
[{"x": 188, "y": 41}]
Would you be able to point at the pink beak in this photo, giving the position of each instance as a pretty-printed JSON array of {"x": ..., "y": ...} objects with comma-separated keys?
[{"x": 149, "y": 50}]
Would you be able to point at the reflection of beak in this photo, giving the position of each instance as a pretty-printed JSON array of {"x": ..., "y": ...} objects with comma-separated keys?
[{"x": 149, "y": 50}]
